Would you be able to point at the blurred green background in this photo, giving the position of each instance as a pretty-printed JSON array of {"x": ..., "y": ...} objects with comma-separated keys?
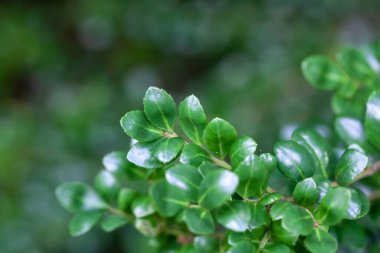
[{"x": 70, "y": 69}]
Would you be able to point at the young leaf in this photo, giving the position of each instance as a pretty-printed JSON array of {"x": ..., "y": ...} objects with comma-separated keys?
[
  {"x": 297, "y": 220},
  {"x": 167, "y": 199},
  {"x": 143, "y": 206},
  {"x": 320, "y": 241},
  {"x": 240, "y": 149},
  {"x": 235, "y": 216},
  {"x": 349, "y": 166},
  {"x": 253, "y": 177},
  {"x": 259, "y": 216},
  {"x": 192, "y": 119},
  {"x": 333, "y": 207},
  {"x": 282, "y": 235},
  {"x": 306, "y": 192},
  {"x": 317, "y": 147},
  {"x": 323, "y": 73},
  {"x": 194, "y": 155},
  {"x": 138, "y": 127},
  {"x": 79, "y": 197},
  {"x": 82, "y": 222},
  {"x": 355, "y": 64},
  {"x": 205, "y": 244},
  {"x": 160, "y": 108},
  {"x": 141, "y": 154},
  {"x": 125, "y": 198},
  {"x": 199, "y": 220},
  {"x": 372, "y": 119},
  {"x": 168, "y": 149},
  {"x": 294, "y": 160},
  {"x": 112, "y": 222},
  {"x": 107, "y": 185},
  {"x": 216, "y": 188},
  {"x": 219, "y": 136},
  {"x": 186, "y": 178}
]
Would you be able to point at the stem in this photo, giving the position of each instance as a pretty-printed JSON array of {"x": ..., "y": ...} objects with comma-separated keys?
[
  {"x": 373, "y": 196},
  {"x": 221, "y": 163},
  {"x": 117, "y": 212},
  {"x": 264, "y": 241}
]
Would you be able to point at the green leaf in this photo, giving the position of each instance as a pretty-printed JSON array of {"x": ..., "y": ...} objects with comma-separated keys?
[
  {"x": 112, "y": 222},
  {"x": 294, "y": 160},
  {"x": 141, "y": 154},
  {"x": 160, "y": 108},
  {"x": 276, "y": 248},
  {"x": 259, "y": 216},
  {"x": 253, "y": 177},
  {"x": 306, "y": 192},
  {"x": 349, "y": 166},
  {"x": 353, "y": 106},
  {"x": 219, "y": 136},
  {"x": 355, "y": 64},
  {"x": 350, "y": 130},
  {"x": 207, "y": 167},
  {"x": 333, "y": 207},
  {"x": 205, "y": 244},
  {"x": 168, "y": 149},
  {"x": 167, "y": 199},
  {"x": 186, "y": 178},
  {"x": 317, "y": 147},
  {"x": 194, "y": 155},
  {"x": 192, "y": 119},
  {"x": 138, "y": 127},
  {"x": 199, "y": 220},
  {"x": 107, "y": 185},
  {"x": 269, "y": 161},
  {"x": 79, "y": 197},
  {"x": 125, "y": 198},
  {"x": 278, "y": 210},
  {"x": 320, "y": 241},
  {"x": 358, "y": 205},
  {"x": 297, "y": 220},
  {"x": 323, "y": 73},
  {"x": 148, "y": 226},
  {"x": 255, "y": 236},
  {"x": 216, "y": 188},
  {"x": 280, "y": 234},
  {"x": 372, "y": 119},
  {"x": 143, "y": 206},
  {"x": 353, "y": 237},
  {"x": 235, "y": 216},
  {"x": 117, "y": 163},
  {"x": 365, "y": 204},
  {"x": 271, "y": 198},
  {"x": 82, "y": 222},
  {"x": 240, "y": 149},
  {"x": 244, "y": 246}
]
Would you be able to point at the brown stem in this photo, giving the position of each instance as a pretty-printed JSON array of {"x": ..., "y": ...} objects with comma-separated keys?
[{"x": 369, "y": 171}]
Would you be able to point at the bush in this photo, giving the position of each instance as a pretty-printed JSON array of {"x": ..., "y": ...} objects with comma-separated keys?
[{"x": 202, "y": 188}]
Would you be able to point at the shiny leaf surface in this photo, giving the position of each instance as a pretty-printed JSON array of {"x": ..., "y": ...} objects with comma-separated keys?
[
  {"x": 194, "y": 155},
  {"x": 372, "y": 119},
  {"x": 199, "y": 220},
  {"x": 306, "y": 192},
  {"x": 349, "y": 166},
  {"x": 240, "y": 149},
  {"x": 235, "y": 216},
  {"x": 168, "y": 149}
]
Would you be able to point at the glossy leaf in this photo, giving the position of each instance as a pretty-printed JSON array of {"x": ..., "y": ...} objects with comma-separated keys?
[
  {"x": 259, "y": 216},
  {"x": 112, "y": 222},
  {"x": 142, "y": 206},
  {"x": 240, "y": 149},
  {"x": 160, "y": 108},
  {"x": 168, "y": 149},
  {"x": 192, "y": 119},
  {"x": 372, "y": 119},
  {"x": 278, "y": 210},
  {"x": 323, "y": 73},
  {"x": 255, "y": 236},
  {"x": 235, "y": 216},
  {"x": 333, "y": 207},
  {"x": 79, "y": 197},
  {"x": 297, "y": 220},
  {"x": 216, "y": 188},
  {"x": 271, "y": 198},
  {"x": 186, "y": 178},
  {"x": 199, "y": 220},
  {"x": 194, "y": 155},
  {"x": 142, "y": 155},
  {"x": 207, "y": 167},
  {"x": 205, "y": 244},
  {"x": 282, "y": 235},
  {"x": 320, "y": 241},
  {"x": 138, "y": 127},
  {"x": 350, "y": 130},
  {"x": 306, "y": 192},
  {"x": 107, "y": 185},
  {"x": 244, "y": 246},
  {"x": 125, "y": 198},
  {"x": 219, "y": 136},
  {"x": 253, "y": 177},
  {"x": 269, "y": 161},
  {"x": 82, "y": 222},
  {"x": 276, "y": 248},
  {"x": 294, "y": 160},
  {"x": 358, "y": 205},
  {"x": 167, "y": 199},
  {"x": 317, "y": 147},
  {"x": 349, "y": 166},
  {"x": 355, "y": 64}
]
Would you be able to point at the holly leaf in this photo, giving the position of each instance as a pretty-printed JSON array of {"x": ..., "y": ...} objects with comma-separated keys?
[
  {"x": 372, "y": 119},
  {"x": 160, "y": 108},
  {"x": 192, "y": 119},
  {"x": 143, "y": 206},
  {"x": 235, "y": 216},
  {"x": 294, "y": 160},
  {"x": 240, "y": 149},
  {"x": 138, "y": 127},
  {"x": 168, "y": 149},
  {"x": 219, "y": 136},
  {"x": 199, "y": 220},
  {"x": 113, "y": 222},
  {"x": 320, "y": 241},
  {"x": 82, "y": 222},
  {"x": 216, "y": 188},
  {"x": 306, "y": 192},
  {"x": 142, "y": 154},
  {"x": 350, "y": 165},
  {"x": 194, "y": 155}
]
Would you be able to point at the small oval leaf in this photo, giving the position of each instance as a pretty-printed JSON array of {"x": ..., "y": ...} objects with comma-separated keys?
[
  {"x": 351, "y": 164},
  {"x": 240, "y": 149},
  {"x": 199, "y": 220},
  {"x": 235, "y": 216},
  {"x": 372, "y": 119}
]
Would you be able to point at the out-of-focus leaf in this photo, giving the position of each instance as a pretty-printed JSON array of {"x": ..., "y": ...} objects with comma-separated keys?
[
  {"x": 143, "y": 206},
  {"x": 372, "y": 119},
  {"x": 82, "y": 222},
  {"x": 320, "y": 241},
  {"x": 235, "y": 216},
  {"x": 107, "y": 185},
  {"x": 244, "y": 246},
  {"x": 125, "y": 198},
  {"x": 112, "y": 222},
  {"x": 199, "y": 220},
  {"x": 194, "y": 155},
  {"x": 205, "y": 244},
  {"x": 142, "y": 155},
  {"x": 168, "y": 149},
  {"x": 355, "y": 64},
  {"x": 283, "y": 235}
]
